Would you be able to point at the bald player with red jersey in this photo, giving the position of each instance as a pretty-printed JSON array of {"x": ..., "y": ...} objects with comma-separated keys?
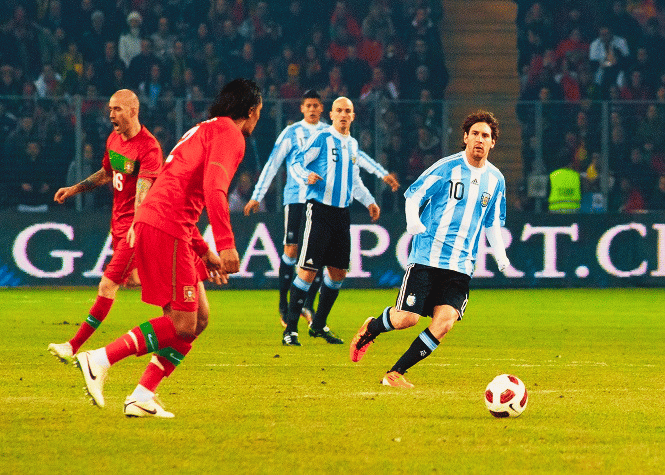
[
  {"x": 171, "y": 254},
  {"x": 132, "y": 160}
]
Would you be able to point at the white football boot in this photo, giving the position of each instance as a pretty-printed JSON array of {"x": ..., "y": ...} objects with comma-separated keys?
[
  {"x": 95, "y": 376},
  {"x": 62, "y": 351},
  {"x": 150, "y": 408}
]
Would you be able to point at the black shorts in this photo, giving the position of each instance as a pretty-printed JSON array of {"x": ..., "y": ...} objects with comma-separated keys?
[
  {"x": 327, "y": 237},
  {"x": 425, "y": 287},
  {"x": 292, "y": 220}
]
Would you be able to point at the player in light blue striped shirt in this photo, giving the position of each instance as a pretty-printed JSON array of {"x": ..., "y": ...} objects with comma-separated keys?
[
  {"x": 463, "y": 194},
  {"x": 328, "y": 164},
  {"x": 292, "y": 139}
]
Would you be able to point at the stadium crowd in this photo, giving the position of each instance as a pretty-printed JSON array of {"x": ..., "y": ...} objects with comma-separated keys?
[
  {"x": 575, "y": 54},
  {"x": 372, "y": 51},
  {"x": 386, "y": 56}
]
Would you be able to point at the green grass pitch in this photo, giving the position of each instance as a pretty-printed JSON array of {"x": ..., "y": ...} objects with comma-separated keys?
[{"x": 592, "y": 361}]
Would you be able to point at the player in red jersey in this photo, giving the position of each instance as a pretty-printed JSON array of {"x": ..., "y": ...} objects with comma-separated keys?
[
  {"x": 170, "y": 252},
  {"x": 132, "y": 160}
]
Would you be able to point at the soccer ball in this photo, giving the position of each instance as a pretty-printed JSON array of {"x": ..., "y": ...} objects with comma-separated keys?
[{"x": 506, "y": 396}]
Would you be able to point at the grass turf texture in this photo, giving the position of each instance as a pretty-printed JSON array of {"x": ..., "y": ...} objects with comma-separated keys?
[{"x": 591, "y": 361}]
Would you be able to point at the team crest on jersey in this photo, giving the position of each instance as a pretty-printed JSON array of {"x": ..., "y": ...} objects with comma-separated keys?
[
  {"x": 129, "y": 167},
  {"x": 411, "y": 300},
  {"x": 484, "y": 199},
  {"x": 189, "y": 292},
  {"x": 354, "y": 158}
]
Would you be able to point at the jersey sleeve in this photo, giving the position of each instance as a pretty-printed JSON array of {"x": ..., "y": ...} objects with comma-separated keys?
[
  {"x": 360, "y": 191},
  {"x": 151, "y": 161},
  {"x": 425, "y": 186},
  {"x": 223, "y": 155},
  {"x": 371, "y": 165},
  {"x": 497, "y": 210},
  {"x": 280, "y": 151},
  {"x": 304, "y": 157}
]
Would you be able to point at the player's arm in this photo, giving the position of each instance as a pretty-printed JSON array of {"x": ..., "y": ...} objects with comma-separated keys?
[
  {"x": 494, "y": 220},
  {"x": 220, "y": 166},
  {"x": 280, "y": 151},
  {"x": 422, "y": 189},
  {"x": 375, "y": 168},
  {"x": 362, "y": 194},
  {"x": 100, "y": 177},
  {"x": 303, "y": 158}
]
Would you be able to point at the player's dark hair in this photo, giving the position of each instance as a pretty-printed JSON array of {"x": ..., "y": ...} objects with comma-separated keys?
[
  {"x": 481, "y": 116},
  {"x": 236, "y": 99},
  {"x": 311, "y": 94}
]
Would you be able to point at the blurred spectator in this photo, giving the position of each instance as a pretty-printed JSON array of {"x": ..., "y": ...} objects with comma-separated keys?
[
  {"x": 129, "y": 43},
  {"x": 174, "y": 69},
  {"x": 421, "y": 26},
  {"x": 105, "y": 70},
  {"x": 423, "y": 54},
  {"x": 606, "y": 51},
  {"x": 355, "y": 72},
  {"x": 636, "y": 89},
  {"x": 650, "y": 69},
  {"x": 652, "y": 39},
  {"x": 196, "y": 106},
  {"x": 292, "y": 21},
  {"x": 377, "y": 25},
  {"x": 140, "y": 66},
  {"x": 212, "y": 65},
  {"x": 426, "y": 151},
  {"x": 291, "y": 88},
  {"x": 630, "y": 198},
  {"x": 70, "y": 62},
  {"x": 48, "y": 83},
  {"x": 150, "y": 91},
  {"x": 95, "y": 37},
  {"x": 651, "y": 128},
  {"x": 623, "y": 24},
  {"x": 342, "y": 22},
  {"x": 340, "y": 42},
  {"x": 34, "y": 179},
  {"x": 219, "y": 13},
  {"x": 243, "y": 66},
  {"x": 638, "y": 170},
  {"x": 17, "y": 140},
  {"x": 229, "y": 44},
  {"x": 335, "y": 87},
  {"x": 241, "y": 193},
  {"x": 263, "y": 31},
  {"x": 378, "y": 88},
  {"x": 7, "y": 123},
  {"x": 314, "y": 69},
  {"x": 20, "y": 42},
  {"x": 572, "y": 49},
  {"x": 163, "y": 39},
  {"x": 657, "y": 196}
]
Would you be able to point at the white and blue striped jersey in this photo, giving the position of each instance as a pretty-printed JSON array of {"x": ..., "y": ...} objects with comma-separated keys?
[
  {"x": 461, "y": 199},
  {"x": 334, "y": 157},
  {"x": 292, "y": 139},
  {"x": 369, "y": 164}
]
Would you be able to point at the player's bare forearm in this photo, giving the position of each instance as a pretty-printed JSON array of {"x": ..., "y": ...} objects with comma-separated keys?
[
  {"x": 100, "y": 177},
  {"x": 142, "y": 187}
]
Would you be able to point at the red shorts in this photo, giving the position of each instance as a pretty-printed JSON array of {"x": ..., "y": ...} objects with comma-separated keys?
[
  {"x": 169, "y": 269},
  {"x": 122, "y": 262}
]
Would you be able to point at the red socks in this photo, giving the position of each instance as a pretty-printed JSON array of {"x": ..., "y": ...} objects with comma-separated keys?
[
  {"x": 100, "y": 309},
  {"x": 146, "y": 338}
]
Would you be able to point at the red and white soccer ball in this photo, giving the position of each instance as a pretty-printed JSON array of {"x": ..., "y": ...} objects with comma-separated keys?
[{"x": 506, "y": 396}]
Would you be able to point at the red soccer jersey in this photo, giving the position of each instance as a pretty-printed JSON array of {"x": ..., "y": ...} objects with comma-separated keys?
[
  {"x": 197, "y": 173},
  {"x": 127, "y": 160}
]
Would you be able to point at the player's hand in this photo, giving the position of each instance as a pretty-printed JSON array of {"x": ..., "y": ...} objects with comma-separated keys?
[
  {"x": 391, "y": 181},
  {"x": 214, "y": 265},
  {"x": 374, "y": 212},
  {"x": 251, "y": 206},
  {"x": 131, "y": 236},
  {"x": 313, "y": 178},
  {"x": 415, "y": 228},
  {"x": 230, "y": 261},
  {"x": 503, "y": 264},
  {"x": 63, "y": 193}
]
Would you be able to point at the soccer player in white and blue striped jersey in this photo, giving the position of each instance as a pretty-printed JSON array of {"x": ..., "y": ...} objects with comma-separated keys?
[
  {"x": 292, "y": 139},
  {"x": 463, "y": 193},
  {"x": 328, "y": 165}
]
